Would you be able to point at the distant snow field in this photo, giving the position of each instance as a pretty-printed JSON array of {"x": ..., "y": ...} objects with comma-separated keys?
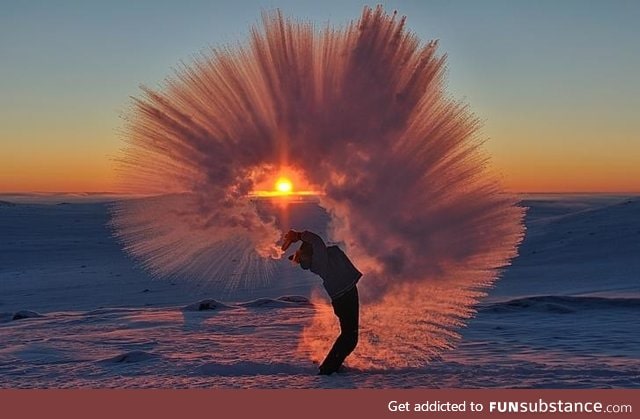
[{"x": 76, "y": 312}]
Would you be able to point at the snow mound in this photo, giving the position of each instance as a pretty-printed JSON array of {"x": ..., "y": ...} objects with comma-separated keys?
[
  {"x": 130, "y": 357},
  {"x": 205, "y": 305},
  {"x": 26, "y": 314},
  {"x": 280, "y": 302},
  {"x": 296, "y": 299},
  {"x": 561, "y": 304}
]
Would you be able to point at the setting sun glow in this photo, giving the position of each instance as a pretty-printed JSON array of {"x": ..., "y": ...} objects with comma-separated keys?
[
  {"x": 280, "y": 185},
  {"x": 284, "y": 185}
]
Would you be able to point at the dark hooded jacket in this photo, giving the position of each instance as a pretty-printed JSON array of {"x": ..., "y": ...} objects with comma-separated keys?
[{"x": 332, "y": 265}]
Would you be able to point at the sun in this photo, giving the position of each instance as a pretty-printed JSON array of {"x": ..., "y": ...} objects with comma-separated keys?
[{"x": 284, "y": 185}]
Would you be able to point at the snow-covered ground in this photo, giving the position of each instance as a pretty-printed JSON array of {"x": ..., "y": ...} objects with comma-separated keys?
[{"x": 75, "y": 311}]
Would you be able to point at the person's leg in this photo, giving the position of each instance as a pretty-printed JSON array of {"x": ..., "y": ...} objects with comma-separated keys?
[{"x": 346, "y": 307}]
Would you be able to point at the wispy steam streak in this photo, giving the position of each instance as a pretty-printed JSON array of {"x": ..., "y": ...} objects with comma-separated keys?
[{"x": 363, "y": 114}]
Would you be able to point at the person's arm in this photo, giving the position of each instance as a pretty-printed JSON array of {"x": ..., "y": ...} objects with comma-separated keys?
[{"x": 320, "y": 259}]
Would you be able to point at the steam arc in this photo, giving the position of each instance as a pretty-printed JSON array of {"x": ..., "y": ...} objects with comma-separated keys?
[{"x": 361, "y": 113}]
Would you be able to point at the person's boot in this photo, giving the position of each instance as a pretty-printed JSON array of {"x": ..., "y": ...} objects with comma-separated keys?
[{"x": 324, "y": 371}]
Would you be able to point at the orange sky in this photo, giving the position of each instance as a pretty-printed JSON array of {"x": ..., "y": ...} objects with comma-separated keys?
[
  {"x": 94, "y": 173},
  {"x": 544, "y": 153},
  {"x": 62, "y": 159}
]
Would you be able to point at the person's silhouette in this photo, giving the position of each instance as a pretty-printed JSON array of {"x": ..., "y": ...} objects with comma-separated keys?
[{"x": 339, "y": 278}]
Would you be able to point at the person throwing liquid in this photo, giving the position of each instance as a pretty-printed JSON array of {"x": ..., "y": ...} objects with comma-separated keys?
[{"x": 339, "y": 278}]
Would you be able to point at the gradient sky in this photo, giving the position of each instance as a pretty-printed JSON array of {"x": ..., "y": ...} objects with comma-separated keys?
[{"x": 556, "y": 82}]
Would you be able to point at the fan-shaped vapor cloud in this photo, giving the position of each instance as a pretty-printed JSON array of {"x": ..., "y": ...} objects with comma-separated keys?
[{"x": 362, "y": 113}]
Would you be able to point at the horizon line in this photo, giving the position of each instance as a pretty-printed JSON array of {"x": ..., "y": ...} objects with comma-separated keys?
[{"x": 91, "y": 193}]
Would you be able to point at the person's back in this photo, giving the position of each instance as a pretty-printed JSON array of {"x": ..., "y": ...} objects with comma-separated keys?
[{"x": 341, "y": 274}]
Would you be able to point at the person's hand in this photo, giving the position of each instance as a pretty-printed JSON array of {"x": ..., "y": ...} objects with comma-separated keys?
[{"x": 289, "y": 238}]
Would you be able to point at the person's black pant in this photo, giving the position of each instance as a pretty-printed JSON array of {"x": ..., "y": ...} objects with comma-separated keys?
[{"x": 346, "y": 307}]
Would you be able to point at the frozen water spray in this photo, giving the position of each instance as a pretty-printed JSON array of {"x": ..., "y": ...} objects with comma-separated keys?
[{"x": 361, "y": 115}]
